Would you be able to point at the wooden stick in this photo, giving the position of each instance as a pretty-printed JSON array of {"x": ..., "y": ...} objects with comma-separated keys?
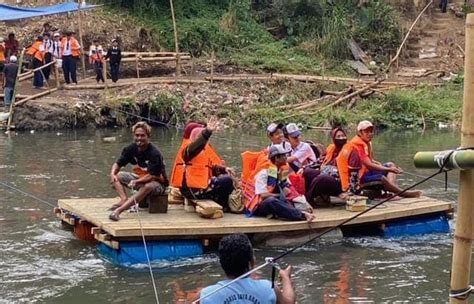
[
  {"x": 463, "y": 234},
  {"x": 38, "y": 68},
  {"x": 335, "y": 103},
  {"x": 152, "y": 54},
  {"x": 130, "y": 83},
  {"x": 19, "y": 103},
  {"x": 15, "y": 88},
  {"x": 83, "y": 60},
  {"x": 146, "y": 59},
  {"x": 212, "y": 67},
  {"x": 406, "y": 37},
  {"x": 176, "y": 44},
  {"x": 56, "y": 75},
  {"x": 137, "y": 67}
]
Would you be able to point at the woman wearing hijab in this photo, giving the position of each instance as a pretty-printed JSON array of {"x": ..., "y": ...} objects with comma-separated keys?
[{"x": 342, "y": 161}]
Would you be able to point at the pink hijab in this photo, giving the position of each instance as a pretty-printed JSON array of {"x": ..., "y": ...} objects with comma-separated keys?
[{"x": 195, "y": 133}]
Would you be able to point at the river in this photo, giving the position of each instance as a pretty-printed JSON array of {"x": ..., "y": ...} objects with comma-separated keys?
[{"x": 41, "y": 262}]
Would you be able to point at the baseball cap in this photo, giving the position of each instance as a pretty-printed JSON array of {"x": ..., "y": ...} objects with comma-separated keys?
[
  {"x": 365, "y": 124},
  {"x": 276, "y": 150},
  {"x": 13, "y": 58},
  {"x": 293, "y": 130},
  {"x": 273, "y": 127}
]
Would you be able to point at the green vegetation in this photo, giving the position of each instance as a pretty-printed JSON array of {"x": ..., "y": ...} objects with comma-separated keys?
[{"x": 274, "y": 35}]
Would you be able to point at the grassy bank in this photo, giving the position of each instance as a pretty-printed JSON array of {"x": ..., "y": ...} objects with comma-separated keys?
[{"x": 272, "y": 35}]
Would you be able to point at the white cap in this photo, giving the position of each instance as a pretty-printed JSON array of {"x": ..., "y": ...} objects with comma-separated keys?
[
  {"x": 56, "y": 34},
  {"x": 13, "y": 58},
  {"x": 273, "y": 127},
  {"x": 293, "y": 130},
  {"x": 365, "y": 124}
]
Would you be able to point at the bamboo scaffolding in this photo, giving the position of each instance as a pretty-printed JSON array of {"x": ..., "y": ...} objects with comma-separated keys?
[
  {"x": 463, "y": 234},
  {"x": 37, "y": 69},
  {"x": 176, "y": 44},
  {"x": 83, "y": 60}
]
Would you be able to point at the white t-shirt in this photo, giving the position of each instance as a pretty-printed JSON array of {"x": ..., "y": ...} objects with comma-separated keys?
[
  {"x": 304, "y": 154},
  {"x": 261, "y": 182},
  {"x": 244, "y": 291}
]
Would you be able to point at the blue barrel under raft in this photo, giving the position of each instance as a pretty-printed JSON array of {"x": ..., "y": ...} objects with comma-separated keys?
[
  {"x": 132, "y": 253},
  {"x": 437, "y": 223}
]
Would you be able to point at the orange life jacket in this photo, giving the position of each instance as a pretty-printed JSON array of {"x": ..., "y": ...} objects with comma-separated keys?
[
  {"x": 342, "y": 162},
  {"x": 2, "y": 52},
  {"x": 35, "y": 51},
  {"x": 367, "y": 147},
  {"x": 73, "y": 44},
  {"x": 198, "y": 170},
  {"x": 96, "y": 58}
]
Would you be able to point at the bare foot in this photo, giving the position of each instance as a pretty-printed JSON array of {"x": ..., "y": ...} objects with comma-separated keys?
[
  {"x": 416, "y": 193},
  {"x": 308, "y": 216}
]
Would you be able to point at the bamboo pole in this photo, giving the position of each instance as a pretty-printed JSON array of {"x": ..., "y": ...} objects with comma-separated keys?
[
  {"x": 31, "y": 97},
  {"x": 173, "y": 58},
  {"x": 176, "y": 44},
  {"x": 130, "y": 83},
  {"x": 38, "y": 68},
  {"x": 56, "y": 75},
  {"x": 15, "y": 88},
  {"x": 463, "y": 234},
  {"x": 212, "y": 67},
  {"x": 406, "y": 37},
  {"x": 137, "y": 67},
  {"x": 151, "y": 54},
  {"x": 83, "y": 60}
]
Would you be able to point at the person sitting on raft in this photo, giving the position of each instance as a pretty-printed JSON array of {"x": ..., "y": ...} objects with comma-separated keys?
[
  {"x": 149, "y": 171},
  {"x": 198, "y": 170},
  {"x": 271, "y": 188},
  {"x": 302, "y": 155},
  {"x": 342, "y": 161},
  {"x": 372, "y": 170}
]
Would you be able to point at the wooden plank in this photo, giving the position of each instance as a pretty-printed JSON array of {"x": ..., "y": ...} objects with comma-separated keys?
[
  {"x": 178, "y": 223},
  {"x": 359, "y": 67},
  {"x": 106, "y": 239}
]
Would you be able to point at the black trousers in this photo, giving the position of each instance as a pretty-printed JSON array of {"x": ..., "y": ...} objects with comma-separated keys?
[
  {"x": 48, "y": 57},
  {"x": 114, "y": 71},
  {"x": 69, "y": 69}
]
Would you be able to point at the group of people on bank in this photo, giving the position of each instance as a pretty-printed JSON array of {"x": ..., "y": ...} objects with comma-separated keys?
[
  {"x": 284, "y": 180},
  {"x": 50, "y": 46}
]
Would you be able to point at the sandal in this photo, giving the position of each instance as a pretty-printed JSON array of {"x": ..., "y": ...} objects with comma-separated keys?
[
  {"x": 114, "y": 206},
  {"x": 114, "y": 217}
]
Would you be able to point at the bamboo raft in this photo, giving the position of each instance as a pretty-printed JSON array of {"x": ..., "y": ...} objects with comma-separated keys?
[{"x": 179, "y": 224}]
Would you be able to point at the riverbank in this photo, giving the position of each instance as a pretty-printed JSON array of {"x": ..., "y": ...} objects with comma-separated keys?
[{"x": 246, "y": 103}]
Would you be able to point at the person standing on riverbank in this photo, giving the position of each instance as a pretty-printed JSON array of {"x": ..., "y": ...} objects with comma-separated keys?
[
  {"x": 11, "y": 46},
  {"x": 10, "y": 72},
  {"x": 372, "y": 170},
  {"x": 149, "y": 174},
  {"x": 114, "y": 55},
  {"x": 236, "y": 257},
  {"x": 36, "y": 52},
  {"x": 70, "y": 50}
]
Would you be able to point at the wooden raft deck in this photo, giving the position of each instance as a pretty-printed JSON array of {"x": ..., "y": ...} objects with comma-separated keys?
[{"x": 178, "y": 223}]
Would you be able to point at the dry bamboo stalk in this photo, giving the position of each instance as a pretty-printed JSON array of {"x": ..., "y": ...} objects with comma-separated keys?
[
  {"x": 406, "y": 37},
  {"x": 15, "y": 89},
  {"x": 19, "y": 103},
  {"x": 335, "y": 103},
  {"x": 56, "y": 75},
  {"x": 130, "y": 83},
  {"x": 38, "y": 68},
  {"x": 146, "y": 59},
  {"x": 176, "y": 44},
  {"x": 463, "y": 234},
  {"x": 81, "y": 41},
  {"x": 212, "y": 67},
  {"x": 151, "y": 54},
  {"x": 137, "y": 67}
]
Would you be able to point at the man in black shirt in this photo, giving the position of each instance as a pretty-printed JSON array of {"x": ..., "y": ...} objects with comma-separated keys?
[
  {"x": 149, "y": 171},
  {"x": 114, "y": 55}
]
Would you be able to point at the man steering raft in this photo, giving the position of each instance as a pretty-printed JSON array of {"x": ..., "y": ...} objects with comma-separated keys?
[{"x": 148, "y": 177}]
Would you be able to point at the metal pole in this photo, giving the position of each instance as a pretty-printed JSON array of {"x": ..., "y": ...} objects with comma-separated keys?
[{"x": 463, "y": 235}]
